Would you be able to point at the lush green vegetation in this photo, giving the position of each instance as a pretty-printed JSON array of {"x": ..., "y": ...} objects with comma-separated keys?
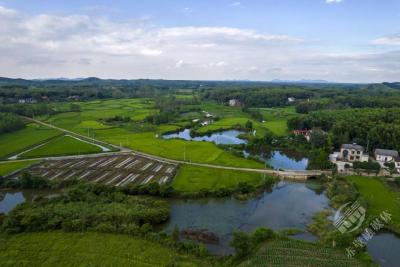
[
  {"x": 10, "y": 122},
  {"x": 88, "y": 207},
  {"x": 18, "y": 141},
  {"x": 291, "y": 252},
  {"x": 65, "y": 145},
  {"x": 140, "y": 135},
  {"x": 89, "y": 249},
  {"x": 379, "y": 128},
  {"x": 379, "y": 197},
  {"x": 194, "y": 178},
  {"x": 9, "y": 167}
]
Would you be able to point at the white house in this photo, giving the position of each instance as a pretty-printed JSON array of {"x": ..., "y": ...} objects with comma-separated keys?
[
  {"x": 234, "y": 103},
  {"x": 291, "y": 99},
  {"x": 385, "y": 155},
  {"x": 350, "y": 153},
  {"x": 397, "y": 164}
]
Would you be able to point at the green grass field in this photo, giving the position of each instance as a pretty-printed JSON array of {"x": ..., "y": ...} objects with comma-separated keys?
[
  {"x": 142, "y": 137},
  {"x": 88, "y": 249},
  {"x": 194, "y": 178},
  {"x": 275, "y": 119},
  {"x": 18, "y": 141},
  {"x": 379, "y": 198},
  {"x": 9, "y": 167},
  {"x": 299, "y": 253},
  {"x": 64, "y": 145}
]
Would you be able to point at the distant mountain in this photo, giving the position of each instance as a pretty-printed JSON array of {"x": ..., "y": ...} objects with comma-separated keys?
[
  {"x": 395, "y": 85},
  {"x": 300, "y": 81}
]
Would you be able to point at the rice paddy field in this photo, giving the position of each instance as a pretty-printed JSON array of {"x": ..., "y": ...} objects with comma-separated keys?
[
  {"x": 9, "y": 167},
  {"x": 88, "y": 249},
  {"x": 193, "y": 178},
  {"x": 64, "y": 145},
  {"x": 30, "y": 136},
  {"x": 299, "y": 253},
  {"x": 144, "y": 137}
]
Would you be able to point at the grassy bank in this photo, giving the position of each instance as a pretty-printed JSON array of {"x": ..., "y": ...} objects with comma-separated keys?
[
  {"x": 89, "y": 249},
  {"x": 379, "y": 198}
]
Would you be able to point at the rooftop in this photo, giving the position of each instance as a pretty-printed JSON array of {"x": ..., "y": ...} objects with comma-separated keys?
[
  {"x": 386, "y": 152},
  {"x": 353, "y": 146}
]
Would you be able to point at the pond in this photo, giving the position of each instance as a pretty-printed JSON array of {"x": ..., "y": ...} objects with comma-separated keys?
[
  {"x": 286, "y": 160},
  {"x": 229, "y": 137},
  {"x": 385, "y": 249},
  {"x": 9, "y": 199},
  {"x": 288, "y": 205}
]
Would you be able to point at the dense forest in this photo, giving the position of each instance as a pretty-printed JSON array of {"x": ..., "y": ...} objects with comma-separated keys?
[{"x": 372, "y": 128}]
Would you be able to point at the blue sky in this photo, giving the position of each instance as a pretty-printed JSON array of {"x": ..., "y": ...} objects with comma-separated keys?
[{"x": 335, "y": 40}]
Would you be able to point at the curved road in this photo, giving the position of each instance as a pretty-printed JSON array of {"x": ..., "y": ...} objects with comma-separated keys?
[{"x": 283, "y": 174}]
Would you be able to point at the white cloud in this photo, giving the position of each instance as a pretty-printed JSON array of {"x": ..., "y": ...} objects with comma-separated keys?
[
  {"x": 35, "y": 46},
  {"x": 236, "y": 4},
  {"x": 387, "y": 40},
  {"x": 333, "y": 1}
]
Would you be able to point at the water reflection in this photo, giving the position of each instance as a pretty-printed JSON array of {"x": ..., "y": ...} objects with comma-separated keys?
[
  {"x": 385, "y": 249},
  {"x": 9, "y": 199},
  {"x": 286, "y": 160},
  {"x": 289, "y": 205},
  {"x": 229, "y": 137}
]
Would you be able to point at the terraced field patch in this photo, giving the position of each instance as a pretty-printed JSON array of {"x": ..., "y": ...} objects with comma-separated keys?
[
  {"x": 117, "y": 170},
  {"x": 299, "y": 253}
]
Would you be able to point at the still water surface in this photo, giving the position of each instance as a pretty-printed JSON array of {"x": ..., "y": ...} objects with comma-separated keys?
[
  {"x": 288, "y": 205},
  {"x": 229, "y": 137}
]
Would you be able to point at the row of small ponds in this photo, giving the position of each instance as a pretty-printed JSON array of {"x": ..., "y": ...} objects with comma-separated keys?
[
  {"x": 287, "y": 160},
  {"x": 287, "y": 205}
]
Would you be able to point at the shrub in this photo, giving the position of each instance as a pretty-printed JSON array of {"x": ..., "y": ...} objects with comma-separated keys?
[
  {"x": 241, "y": 242},
  {"x": 245, "y": 188},
  {"x": 261, "y": 234}
]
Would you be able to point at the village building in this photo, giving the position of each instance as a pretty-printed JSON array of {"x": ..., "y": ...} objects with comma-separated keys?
[
  {"x": 397, "y": 164},
  {"x": 385, "y": 155},
  {"x": 291, "y": 99},
  {"x": 350, "y": 153},
  {"x": 306, "y": 133},
  {"x": 234, "y": 103},
  {"x": 27, "y": 101}
]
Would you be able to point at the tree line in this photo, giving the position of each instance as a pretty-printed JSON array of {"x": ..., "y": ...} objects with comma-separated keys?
[{"x": 10, "y": 122}]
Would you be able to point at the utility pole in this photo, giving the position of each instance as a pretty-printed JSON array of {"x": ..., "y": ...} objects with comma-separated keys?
[{"x": 184, "y": 152}]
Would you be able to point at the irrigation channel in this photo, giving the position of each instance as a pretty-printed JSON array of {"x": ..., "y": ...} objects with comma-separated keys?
[{"x": 287, "y": 205}]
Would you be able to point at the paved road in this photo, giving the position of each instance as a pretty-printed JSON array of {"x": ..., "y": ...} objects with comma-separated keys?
[{"x": 283, "y": 174}]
